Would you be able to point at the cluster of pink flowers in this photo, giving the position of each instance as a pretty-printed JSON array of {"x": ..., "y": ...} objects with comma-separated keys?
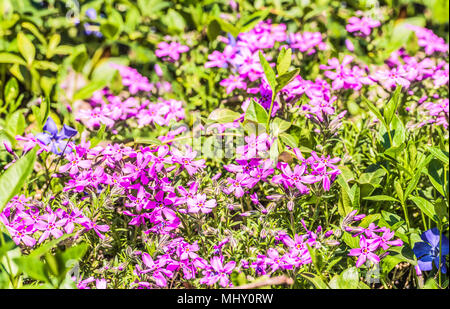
[
  {"x": 344, "y": 76},
  {"x": 143, "y": 177},
  {"x": 374, "y": 241},
  {"x": 29, "y": 222},
  {"x": 242, "y": 54},
  {"x": 253, "y": 168},
  {"x": 170, "y": 51},
  {"x": 181, "y": 256},
  {"x": 108, "y": 109},
  {"x": 429, "y": 41},
  {"x": 361, "y": 26},
  {"x": 296, "y": 252},
  {"x": 433, "y": 112},
  {"x": 313, "y": 170}
]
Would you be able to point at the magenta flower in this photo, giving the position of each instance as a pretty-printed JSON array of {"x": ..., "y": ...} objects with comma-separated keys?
[
  {"x": 170, "y": 52},
  {"x": 218, "y": 272},
  {"x": 366, "y": 251},
  {"x": 187, "y": 160},
  {"x": 50, "y": 226},
  {"x": 236, "y": 185},
  {"x": 233, "y": 82},
  {"x": 75, "y": 163},
  {"x": 97, "y": 228},
  {"x": 22, "y": 234},
  {"x": 200, "y": 204},
  {"x": 362, "y": 27}
]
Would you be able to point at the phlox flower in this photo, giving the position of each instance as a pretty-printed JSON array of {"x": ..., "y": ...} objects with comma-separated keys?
[
  {"x": 366, "y": 251},
  {"x": 362, "y": 26},
  {"x": 199, "y": 204},
  {"x": 218, "y": 272}
]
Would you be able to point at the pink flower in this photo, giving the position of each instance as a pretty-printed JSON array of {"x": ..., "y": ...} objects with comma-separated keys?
[
  {"x": 170, "y": 52},
  {"x": 233, "y": 82},
  {"x": 200, "y": 204},
  {"x": 363, "y": 27},
  {"x": 365, "y": 252}
]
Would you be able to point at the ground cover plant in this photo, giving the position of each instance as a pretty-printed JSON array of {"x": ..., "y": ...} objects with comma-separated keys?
[{"x": 212, "y": 144}]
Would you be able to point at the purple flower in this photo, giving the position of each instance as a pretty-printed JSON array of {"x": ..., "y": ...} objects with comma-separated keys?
[
  {"x": 218, "y": 272},
  {"x": 200, "y": 204},
  {"x": 50, "y": 226},
  {"x": 52, "y": 137},
  {"x": 366, "y": 251},
  {"x": 427, "y": 251},
  {"x": 362, "y": 27},
  {"x": 170, "y": 52}
]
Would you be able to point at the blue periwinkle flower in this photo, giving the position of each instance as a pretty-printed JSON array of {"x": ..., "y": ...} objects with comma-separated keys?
[
  {"x": 55, "y": 139},
  {"x": 91, "y": 13},
  {"x": 427, "y": 252}
]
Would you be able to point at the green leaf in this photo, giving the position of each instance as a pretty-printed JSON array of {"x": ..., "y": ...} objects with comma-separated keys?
[
  {"x": 13, "y": 179},
  {"x": 33, "y": 267},
  {"x": 392, "y": 221},
  {"x": 375, "y": 110},
  {"x": 147, "y": 140},
  {"x": 284, "y": 61},
  {"x": 348, "y": 279},
  {"x": 26, "y": 48},
  {"x": 41, "y": 251},
  {"x": 213, "y": 30},
  {"x": 426, "y": 206},
  {"x": 268, "y": 71},
  {"x": 352, "y": 242},
  {"x": 79, "y": 58},
  {"x": 417, "y": 174},
  {"x": 54, "y": 41},
  {"x": 116, "y": 84},
  {"x": 285, "y": 79},
  {"x": 315, "y": 280},
  {"x": 379, "y": 198},
  {"x": 278, "y": 126},
  {"x": 273, "y": 152},
  {"x": 404, "y": 253},
  {"x": 11, "y": 90},
  {"x": 110, "y": 30},
  {"x": 44, "y": 110},
  {"x": 399, "y": 191},
  {"x": 88, "y": 90},
  {"x": 255, "y": 112},
  {"x": 289, "y": 140},
  {"x": 11, "y": 58},
  {"x": 431, "y": 284},
  {"x": 227, "y": 27},
  {"x": 369, "y": 219},
  {"x": 435, "y": 173},
  {"x": 223, "y": 115},
  {"x": 391, "y": 106},
  {"x": 439, "y": 154},
  {"x": 16, "y": 123}
]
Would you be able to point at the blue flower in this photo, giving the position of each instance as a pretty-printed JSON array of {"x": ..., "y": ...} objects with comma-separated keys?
[
  {"x": 55, "y": 139},
  {"x": 91, "y": 13},
  {"x": 428, "y": 251}
]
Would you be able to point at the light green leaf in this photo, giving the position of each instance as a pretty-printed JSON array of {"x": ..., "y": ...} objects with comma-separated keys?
[
  {"x": 426, "y": 206},
  {"x": 13, "y": 179},
  {"x": 11, "y": 58},
  {"x": 379, "y": 198},
  {"x": 284, "y": 61},
  {"x": 255, "y": 112},
  {"x": 223, "y": 115},
  {"x": 268, "y": 71},
  {"x": 26, "y": 48}
]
